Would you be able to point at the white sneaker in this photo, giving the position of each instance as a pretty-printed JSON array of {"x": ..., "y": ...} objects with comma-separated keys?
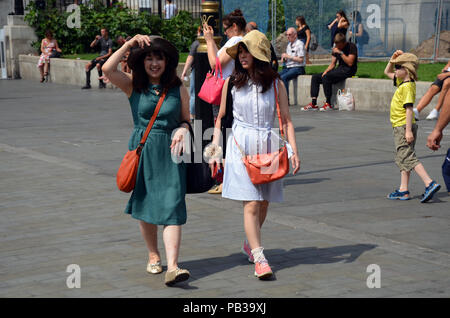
[
  {"x": 434, "y": 114},
  {"x": 416, "y": 113}
]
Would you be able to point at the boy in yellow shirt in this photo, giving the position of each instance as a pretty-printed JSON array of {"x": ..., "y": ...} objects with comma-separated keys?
[{"x": 402, "y": 68}]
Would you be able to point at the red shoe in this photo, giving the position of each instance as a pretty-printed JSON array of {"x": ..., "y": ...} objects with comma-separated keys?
[
  {"x": 263, "y": 270},
  {"x": 310, "y": 106},
  {"x": 326, "y": 107}
]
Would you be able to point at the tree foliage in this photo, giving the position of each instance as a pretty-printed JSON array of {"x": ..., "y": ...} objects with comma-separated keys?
[{"x": 118, "y": 19}]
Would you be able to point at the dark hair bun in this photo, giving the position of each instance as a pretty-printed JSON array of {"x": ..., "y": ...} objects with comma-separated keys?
[{"x": 237, "y": 13}]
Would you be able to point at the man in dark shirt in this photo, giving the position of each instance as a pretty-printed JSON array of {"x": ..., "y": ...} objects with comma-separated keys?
[
  {"x": 105, "y": 44},
  {"x": 346, "y": 55}
]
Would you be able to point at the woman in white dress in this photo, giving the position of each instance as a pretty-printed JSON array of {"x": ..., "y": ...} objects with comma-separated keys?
[
  {"x": 254, "y": 111},
  {"x": 234, "y": 28}
]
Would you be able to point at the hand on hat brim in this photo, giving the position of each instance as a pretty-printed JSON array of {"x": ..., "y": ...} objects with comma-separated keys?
[{"x": 140, "y": 41}]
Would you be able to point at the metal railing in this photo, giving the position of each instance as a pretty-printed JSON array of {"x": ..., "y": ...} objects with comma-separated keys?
[{"x": 155, "y": 7}]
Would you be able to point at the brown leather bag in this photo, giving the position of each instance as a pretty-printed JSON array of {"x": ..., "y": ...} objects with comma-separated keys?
[
  {"x": 265, "y": 168},
  {"x": 126, "y": 175}
]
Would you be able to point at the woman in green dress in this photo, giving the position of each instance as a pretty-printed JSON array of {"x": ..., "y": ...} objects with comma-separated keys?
[{"x": 159, "y": 194}]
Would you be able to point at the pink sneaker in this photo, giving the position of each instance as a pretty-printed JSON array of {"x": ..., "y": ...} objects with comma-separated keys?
[
  {"x": 247, "y": 251},
  {"x": 263, "y": 270}
]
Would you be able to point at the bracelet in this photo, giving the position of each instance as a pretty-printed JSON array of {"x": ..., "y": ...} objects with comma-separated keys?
[{"x": 213, "y": 151}]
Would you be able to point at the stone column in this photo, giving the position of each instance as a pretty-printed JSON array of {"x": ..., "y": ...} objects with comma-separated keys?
[{"x": 18, "y": 39}]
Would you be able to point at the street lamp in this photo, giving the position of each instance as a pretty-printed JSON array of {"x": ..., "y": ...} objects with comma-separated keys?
[{"x": 210, "y": 13}]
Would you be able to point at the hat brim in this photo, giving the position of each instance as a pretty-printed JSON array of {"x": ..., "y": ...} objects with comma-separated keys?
[{"x": 233, "y": 52}]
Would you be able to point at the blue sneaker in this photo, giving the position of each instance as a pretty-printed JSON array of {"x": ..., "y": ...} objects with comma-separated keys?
[
  {"x": 397, "y": 195},
  {"x": 430, "y": 191}
]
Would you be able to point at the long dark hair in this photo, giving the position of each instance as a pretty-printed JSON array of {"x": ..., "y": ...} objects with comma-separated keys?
[
  {"x": 169, "y": 79},
  {"x": 342, "y": 14},
  {"x": 301, "y": 19},
  {"x": 235, "y": 17},
  {"x": 263, "y": 73}
]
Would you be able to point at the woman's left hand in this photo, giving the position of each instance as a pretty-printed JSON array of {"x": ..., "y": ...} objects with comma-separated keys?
[
  {"x": 295, "y": 162},
  {"x": 177, "y": 147}
]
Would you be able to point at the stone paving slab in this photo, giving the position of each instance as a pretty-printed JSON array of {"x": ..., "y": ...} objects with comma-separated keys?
[{"x": 60, "y": 147}]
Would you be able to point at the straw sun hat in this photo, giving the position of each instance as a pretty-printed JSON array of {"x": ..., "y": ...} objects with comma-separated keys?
[{"x": 257, "y": 44}]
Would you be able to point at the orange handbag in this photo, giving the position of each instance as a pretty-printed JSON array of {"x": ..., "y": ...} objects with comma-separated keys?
[
  {"x": 265, "y": 168},
  {"x": 126, "y": 175}
]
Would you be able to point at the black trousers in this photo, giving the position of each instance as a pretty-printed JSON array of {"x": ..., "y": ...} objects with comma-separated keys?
[{"x": 332, "y": 77}]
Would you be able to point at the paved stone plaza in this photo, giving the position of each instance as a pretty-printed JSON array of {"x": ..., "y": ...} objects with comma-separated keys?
[{"x": 59, "y": 205}]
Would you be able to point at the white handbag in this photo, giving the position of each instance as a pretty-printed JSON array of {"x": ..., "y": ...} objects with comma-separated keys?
[{"x": 345, "y": 100}]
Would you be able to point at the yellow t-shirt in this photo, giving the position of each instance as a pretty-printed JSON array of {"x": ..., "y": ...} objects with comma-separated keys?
[{"x": 404, "y": 96}]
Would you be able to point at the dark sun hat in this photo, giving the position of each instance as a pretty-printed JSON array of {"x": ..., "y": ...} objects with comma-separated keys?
[{"x": 157, "y": 43}]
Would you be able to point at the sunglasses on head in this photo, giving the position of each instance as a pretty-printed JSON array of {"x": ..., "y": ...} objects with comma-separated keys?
[
  {"x": 397, "y": 67},
  {"x": 226, "y": 28}
]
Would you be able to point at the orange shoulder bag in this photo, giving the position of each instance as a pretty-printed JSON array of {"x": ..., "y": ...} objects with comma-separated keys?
[
  {"x": 265, "y": 168},
  {"x": 126, "y": 175}
]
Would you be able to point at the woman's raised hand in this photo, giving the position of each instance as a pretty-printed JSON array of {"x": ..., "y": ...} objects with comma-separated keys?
[
  {"x": 208, "y": 32},
  {"x": 140, "y": 40}
]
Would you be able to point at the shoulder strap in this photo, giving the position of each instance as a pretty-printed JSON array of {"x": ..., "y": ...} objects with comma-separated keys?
[
  {"x": 152, "y": 120},
  {"x": 278, "y": 107}
]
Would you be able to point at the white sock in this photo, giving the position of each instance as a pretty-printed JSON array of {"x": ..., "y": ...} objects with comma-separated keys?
[{"x": 258, "y": 254}]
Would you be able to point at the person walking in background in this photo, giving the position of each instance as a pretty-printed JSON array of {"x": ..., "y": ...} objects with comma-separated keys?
[
  {"x": 303, "y": 34},
  {"x": 344, "y": 53},
  {"x": 357, "y": 29},
  {"x": 441, "y": 84},
  {"x": 273, "y": 56},
  {"x": 253, "y": 103},
  {"x": 233, "y": 27},
  {"x": 402, "y": 68},
  {"x": 170, "y": 9},
  {"x": 159, "y": 194},
  {"x": 105, "y": 44},
  {"x": 48, "y": 46},
  {"x": 294, "y": 59},
  {"x": 435, "y": 137},
  {"x": 339, "y": 25},
  {"x": 190, "y": 65}
]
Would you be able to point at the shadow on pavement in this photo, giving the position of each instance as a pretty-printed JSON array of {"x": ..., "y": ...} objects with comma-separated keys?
[{"x": 278, "y": 259}]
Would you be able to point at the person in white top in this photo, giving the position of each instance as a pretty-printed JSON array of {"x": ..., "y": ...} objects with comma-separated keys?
[
  {"x": 170, "y": 9},
  {"x": 253, "y": 104},
  {"x": 234, "y": 28},
  {"x": 294, "y": 59}
]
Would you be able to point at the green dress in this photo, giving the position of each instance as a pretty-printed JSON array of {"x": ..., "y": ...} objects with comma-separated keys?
[{"x": 159, "y": 194}]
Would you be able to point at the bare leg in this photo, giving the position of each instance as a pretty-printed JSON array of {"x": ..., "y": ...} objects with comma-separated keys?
[
  {"x": 404, "y": 181},
  {"x": 263, "y": 212},
  {"x": 426, "y": 99},
  {"x": 172, "y": 240},
  {"x": 444, "y": 91},
  {"x": 46, "y": 67},
  {"x": 252, "y": 221},
  {"x": 41, "y": 70},
  {"x": 149, "y": 233},
  {"x": 420, "y": 170}
]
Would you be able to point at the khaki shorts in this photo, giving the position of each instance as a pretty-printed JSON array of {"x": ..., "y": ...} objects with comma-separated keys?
[{"x": 405, "y": 155}]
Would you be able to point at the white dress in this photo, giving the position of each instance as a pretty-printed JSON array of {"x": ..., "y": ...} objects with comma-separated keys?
[{"x": 254, "y": 116}]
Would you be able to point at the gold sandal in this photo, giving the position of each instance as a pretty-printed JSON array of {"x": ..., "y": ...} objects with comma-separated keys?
[
  {"x": 176, "y": 276},
  {"x": 154, "y": 268}
]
